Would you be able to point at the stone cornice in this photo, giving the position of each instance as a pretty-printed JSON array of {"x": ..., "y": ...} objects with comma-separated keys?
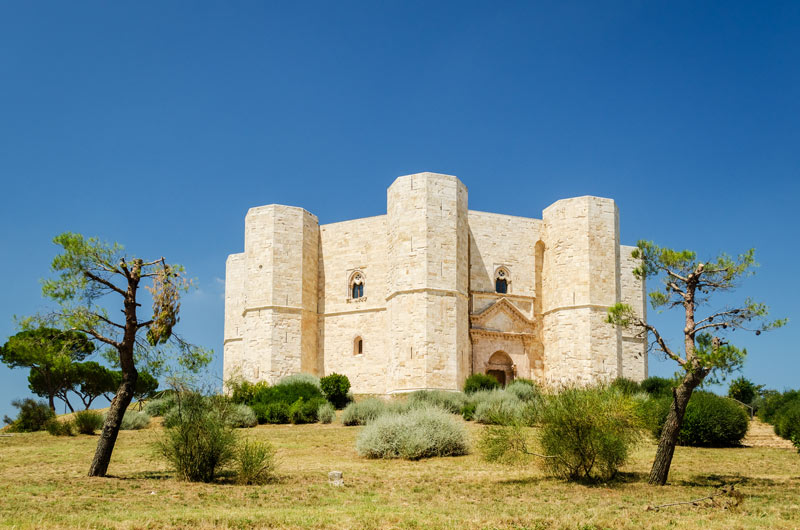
[
  {"x": 353, "y": 311},
  {"x": 581, "y": 306},
  {"x": 444, "y": 292}
]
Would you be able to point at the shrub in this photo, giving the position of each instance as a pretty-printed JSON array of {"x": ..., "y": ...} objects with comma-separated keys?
[
  {"x": 657, "y": 386},
  {"x": 414, "y": 434},
  {"x": 300, "y": 378},
  {"x": 134, "y": 420},
  {"x": 796, "y": 442},
  {"x": 273, "y": 413},
  {"x": 787, "y": 420},
  {"x": 87, "y": 421},
  {"x": 335, "y": 387},
  {"x": 468, "y": 410},
  {"x": 775, "y": 401},
  {"x": 199, "y": 443},
  {"x": 451, "y": 402},
  {"x": 709, "y": 421},
  {"x": 326, "y": 413},
  {"x": 626, "y": 386},
  {"x": 245, "y": 391},
  {"x": 524, "y": 390},
  {"x": 477, "y": 382},
  {"x": 33, "y": 415},
  {"x": 587, "y": 432},
  {"x": 303, "y": 411},
  {"x": 160, "y": 406},
  {"x": 60, "y": 428},
  {"x": 499, "y": 408},
  {"x": 255, "y": 462},
  {"x": 363, "y": 412},
  {"x": 238, "y": 415}
]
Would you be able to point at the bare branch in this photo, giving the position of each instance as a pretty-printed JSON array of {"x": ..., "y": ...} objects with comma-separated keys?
[{"x": 103, "y": 281}]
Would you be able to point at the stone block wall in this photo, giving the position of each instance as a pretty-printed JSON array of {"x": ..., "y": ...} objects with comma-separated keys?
[{"x": 428, "y": 269}]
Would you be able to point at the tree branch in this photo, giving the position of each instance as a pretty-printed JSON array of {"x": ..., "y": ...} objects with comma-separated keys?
[{"x": 103, "y": 281}]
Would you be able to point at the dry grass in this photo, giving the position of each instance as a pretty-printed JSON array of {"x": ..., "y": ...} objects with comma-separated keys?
[{"x": 43, "y": 484}]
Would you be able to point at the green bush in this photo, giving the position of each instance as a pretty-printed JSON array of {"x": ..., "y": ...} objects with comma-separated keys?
[
  {"x": 335, "y": 387},
  {"x": 774, "y": 402},
  {"x": 239, "y": 415},
  {"x": 658, "y": 386},
  {"x": 414, "y": 434},
  {"x": 160, "y": 406},
  {"x": 451, "y": 402},
  {"x": 60, "y": 428},
  {"x": 255, "y": 462},
  {"x": 626, "y": 386},
  {"x": 477, "y": 382},
  {"x": 133, "y": 420},
  {"x": 587, "y": 432},
  {"x": 87, "y": 421},
  {"x": 525, "y": 390},
  {"x": 468, "y": 410},
  {"x": 198, "y": 443},
  {"x": 709, "y": 421},
  {"x": 245, "y": 391},
  {"x": 273, "y": 413},
  {"x": 499, "y": 408},
  {"x": 796, "y": 442},
  {"x": 787, "y": 420},
  {"x": 32, "y": 416},
  {"x": 363, "y": 412},
  {"x": 326, "y": 413},
  {"x": 303, "y": 411}
]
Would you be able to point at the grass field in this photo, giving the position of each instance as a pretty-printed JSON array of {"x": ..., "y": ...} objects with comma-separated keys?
[{"x": 43, "y": 483}]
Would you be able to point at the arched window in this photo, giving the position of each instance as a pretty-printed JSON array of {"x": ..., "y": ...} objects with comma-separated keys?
[
  {"x": 501, "y": 281},
  {"x": 358, "y": 346},
  {"x": 357, "y": 285}
]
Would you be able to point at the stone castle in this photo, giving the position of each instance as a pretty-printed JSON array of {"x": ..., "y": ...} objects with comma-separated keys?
[{"x": 431, "y": 292}]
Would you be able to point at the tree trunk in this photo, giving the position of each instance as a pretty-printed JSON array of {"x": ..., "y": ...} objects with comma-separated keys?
[
  {"x": 52, "y": 402},
  {"x": 105, "y": 445},
  {"x": 672, "y": 428}
]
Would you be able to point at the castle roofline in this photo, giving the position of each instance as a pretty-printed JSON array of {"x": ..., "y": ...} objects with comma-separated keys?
[{"x": 259, "y": 209}]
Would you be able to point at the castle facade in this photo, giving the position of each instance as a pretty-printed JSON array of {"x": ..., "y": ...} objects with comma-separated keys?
[{"x": 431, "y": 292}]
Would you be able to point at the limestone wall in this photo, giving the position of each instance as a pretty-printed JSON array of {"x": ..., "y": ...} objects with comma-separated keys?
[
  {"x": 280, "y": 281},
  {"x": 505, "y": 240},
  {"x": 633, "y": 292},
  {"x": 581, "y": 280},
  {"x": 235, "y": 296},
  {"x": 344, "y": 248},
  {"x": 428, "y": 264},
  {"x": 428, "y": 277}
]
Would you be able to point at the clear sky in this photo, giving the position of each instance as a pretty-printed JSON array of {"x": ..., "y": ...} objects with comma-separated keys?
[{"x": 158, "y": 124}]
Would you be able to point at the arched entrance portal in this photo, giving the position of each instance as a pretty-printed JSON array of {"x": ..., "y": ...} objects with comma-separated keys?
[{"x": 501, "y": 367}]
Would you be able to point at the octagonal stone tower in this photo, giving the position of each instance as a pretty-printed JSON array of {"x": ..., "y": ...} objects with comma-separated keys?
[
  {"x": 271, "y": 296},
  {"x": 428, "y": 283}
]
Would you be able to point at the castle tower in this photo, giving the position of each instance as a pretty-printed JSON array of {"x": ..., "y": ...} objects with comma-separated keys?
[
  {"x": 580, "y": 281},
  {"x": 275, "y": 283},
  {"x": 428, "y": 277}
]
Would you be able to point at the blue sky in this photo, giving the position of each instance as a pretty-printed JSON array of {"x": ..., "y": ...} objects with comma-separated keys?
[{"x": 158, "y": 124}]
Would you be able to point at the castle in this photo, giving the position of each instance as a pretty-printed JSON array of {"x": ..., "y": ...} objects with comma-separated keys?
[{"x": 431, "y": 292}]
